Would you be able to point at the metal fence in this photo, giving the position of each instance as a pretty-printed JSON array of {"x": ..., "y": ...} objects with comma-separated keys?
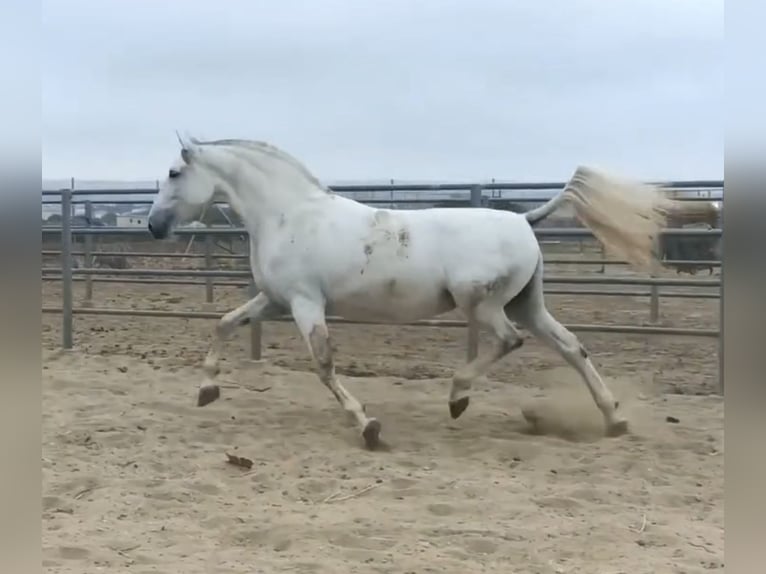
[{"x": 207, "y": 276}]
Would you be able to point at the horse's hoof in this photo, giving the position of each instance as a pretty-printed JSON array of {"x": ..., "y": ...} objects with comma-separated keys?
[
  {"x": 208, "y": 394},
  {"x": 617, "y": 428},
  {"x": 457, "y": 407},
  {"x": 371, "y": 434}
]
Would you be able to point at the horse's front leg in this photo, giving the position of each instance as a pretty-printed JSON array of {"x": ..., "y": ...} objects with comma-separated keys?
[
  {"x": 256, "y": 309},
  {"x": 309, "y": 316}
]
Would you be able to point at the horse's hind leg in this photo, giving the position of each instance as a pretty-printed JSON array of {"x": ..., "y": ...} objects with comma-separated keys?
[
  {"x": 489, "y": 314},
  {"x": 256, "y": 309},
  {"x": 309, "y": 316},
  {"x": 530, "y": 311}
]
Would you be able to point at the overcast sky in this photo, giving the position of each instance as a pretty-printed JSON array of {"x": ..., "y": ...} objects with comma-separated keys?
[{"x": 403, "y": 89}]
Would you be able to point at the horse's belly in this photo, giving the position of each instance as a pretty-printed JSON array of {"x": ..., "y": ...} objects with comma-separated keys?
[{"x": 391, "y": 300}]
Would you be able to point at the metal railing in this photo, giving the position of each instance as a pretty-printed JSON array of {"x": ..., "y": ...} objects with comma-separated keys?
[{"x": 67, "y": 274}]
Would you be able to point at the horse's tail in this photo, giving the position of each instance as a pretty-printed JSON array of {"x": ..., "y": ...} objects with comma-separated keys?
[
  {"x": 539, "y": 213},
  {"x": 626, "y": 217}
]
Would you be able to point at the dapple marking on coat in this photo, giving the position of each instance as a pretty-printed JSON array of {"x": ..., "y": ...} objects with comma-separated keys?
[{"x": 314, "y": 253}]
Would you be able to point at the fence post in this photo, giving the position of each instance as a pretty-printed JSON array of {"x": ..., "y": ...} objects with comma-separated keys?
[
  {"x": 473, "y": 327},
  {"x": 654, "y": 302},
  {"x": 66, "y": 267},
  {"x": 208, "y": 266},
  {"x": 88, "y": 256},
  {"x": 602, "y": 253},
  {"x": 720, "y": 311},
  {"x": 256, "y": 329}
]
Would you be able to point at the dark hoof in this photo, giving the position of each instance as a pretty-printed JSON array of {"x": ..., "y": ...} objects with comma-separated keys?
[
  {"x": 371, "y": 434},
  {"x": 457, "y": 407},
  {"x": 207, "y": 395},
  {"x": 617, "y": 428}
]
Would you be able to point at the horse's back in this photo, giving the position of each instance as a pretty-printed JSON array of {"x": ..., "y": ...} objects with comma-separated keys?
[{"x": 444, "y": 242}]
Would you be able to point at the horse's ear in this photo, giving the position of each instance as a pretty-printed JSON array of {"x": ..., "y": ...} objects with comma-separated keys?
[
  {"x": 181, "y": 141},
  {"x": 186, "y": 156},
  {"x": 189, "y": 148}
]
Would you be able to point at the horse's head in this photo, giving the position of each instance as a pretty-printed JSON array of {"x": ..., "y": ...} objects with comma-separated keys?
[
  {"x": 253, "y": 177},
  {"x": 186, "y": 190}
]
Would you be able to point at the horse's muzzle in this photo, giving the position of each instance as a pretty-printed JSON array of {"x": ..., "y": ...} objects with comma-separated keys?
[{"x": 160, "y": 224}]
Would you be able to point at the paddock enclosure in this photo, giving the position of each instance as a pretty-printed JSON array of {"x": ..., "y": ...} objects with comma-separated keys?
[{"x": 136, "y": 478}]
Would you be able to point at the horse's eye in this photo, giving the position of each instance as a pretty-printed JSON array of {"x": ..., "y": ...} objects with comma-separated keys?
[{"x": 173, "y": 173}]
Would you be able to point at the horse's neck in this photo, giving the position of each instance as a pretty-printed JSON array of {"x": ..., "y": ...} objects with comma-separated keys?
[
  {"x": 262, "y": 203},
  {"x": 261, "y": 184},
  {"x": 262, "y": 190}
]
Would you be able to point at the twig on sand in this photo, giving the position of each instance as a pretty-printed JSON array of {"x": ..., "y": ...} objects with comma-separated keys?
[
  {"x": 331, "y": 497},
  {"x": 643, "y": 525},
  {"x": 124, "y": 551},
  {"x": 236, "y": 386},
  {"x": 705, "y": 548},
  {"x": 85, "y": 491},
  {"x": 335, "y": 498},
  {"x": 82, "y": 493},
  {"x": 248, "y": 473}
]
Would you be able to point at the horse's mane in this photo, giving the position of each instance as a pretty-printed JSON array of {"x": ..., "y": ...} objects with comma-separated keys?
[{"x": 266, "y": 149}]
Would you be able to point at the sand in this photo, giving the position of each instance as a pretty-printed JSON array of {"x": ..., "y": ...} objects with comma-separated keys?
[{"x": 135, "y": 477}]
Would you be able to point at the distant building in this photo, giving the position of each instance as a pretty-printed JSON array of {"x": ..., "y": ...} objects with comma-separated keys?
[
  {"x": 134, "y": 218},
  {"x": 131, "y": 220}
]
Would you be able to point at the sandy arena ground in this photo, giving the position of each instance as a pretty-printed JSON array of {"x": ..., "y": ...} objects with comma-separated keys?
[{"x": 135, "y": 477}]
